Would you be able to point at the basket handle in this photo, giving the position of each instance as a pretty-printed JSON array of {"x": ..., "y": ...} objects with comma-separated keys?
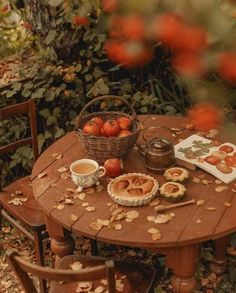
[{"x": 134, "y": 115}]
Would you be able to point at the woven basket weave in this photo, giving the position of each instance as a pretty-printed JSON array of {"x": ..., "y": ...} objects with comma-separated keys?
[{"x": 102, "y": 148}]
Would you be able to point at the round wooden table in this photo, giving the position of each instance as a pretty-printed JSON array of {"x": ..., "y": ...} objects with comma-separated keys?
[{"x": 66, "y": 212}]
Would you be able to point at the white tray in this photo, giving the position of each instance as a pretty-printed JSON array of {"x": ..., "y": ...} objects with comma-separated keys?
[{"x": 188, "y": 142}]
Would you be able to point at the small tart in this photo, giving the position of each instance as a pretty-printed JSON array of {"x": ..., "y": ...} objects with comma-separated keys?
[
  {"x": 172, "y": 191},
  {"x": 176, "y": 174},
  {"x": 133, "y": 189}
]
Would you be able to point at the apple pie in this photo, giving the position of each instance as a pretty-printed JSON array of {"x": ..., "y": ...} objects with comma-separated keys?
[{"x": 133, "y": 189}]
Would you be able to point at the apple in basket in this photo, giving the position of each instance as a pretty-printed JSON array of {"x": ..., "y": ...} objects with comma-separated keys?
[
  {"x": 92, "y": 128},
  {"x": 124, "y": 122},
  {"x": 113, "y": 167},
  {"x": 111, "y": 127}
]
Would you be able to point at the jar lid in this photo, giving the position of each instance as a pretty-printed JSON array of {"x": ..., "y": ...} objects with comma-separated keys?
[{"x": 160, "y": 144}]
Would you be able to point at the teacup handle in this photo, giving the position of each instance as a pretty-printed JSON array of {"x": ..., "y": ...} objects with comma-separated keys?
[{"x": 101, "y": 171}]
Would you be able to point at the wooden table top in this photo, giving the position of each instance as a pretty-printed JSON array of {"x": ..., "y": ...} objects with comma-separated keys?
[{"x": 190, "y": 224}]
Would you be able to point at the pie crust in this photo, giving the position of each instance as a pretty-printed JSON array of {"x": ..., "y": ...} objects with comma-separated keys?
[
  {"x": 172, "y": 191},
  {"x": 133, "y": 189},
  {"x": 176, "y": 174}
]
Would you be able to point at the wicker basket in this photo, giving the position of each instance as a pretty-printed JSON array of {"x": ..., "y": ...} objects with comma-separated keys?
[{"x": 102, "y": 148}]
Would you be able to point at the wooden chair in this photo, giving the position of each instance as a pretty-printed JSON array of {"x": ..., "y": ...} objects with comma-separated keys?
[
  {"x": 136, "y": 279},
  {"x": 27, "y": 217}
]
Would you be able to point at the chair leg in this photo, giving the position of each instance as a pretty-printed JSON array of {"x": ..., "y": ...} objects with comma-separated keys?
[
  {"x": 94, "y": 247},
  {"x": 38, "y": 241}
]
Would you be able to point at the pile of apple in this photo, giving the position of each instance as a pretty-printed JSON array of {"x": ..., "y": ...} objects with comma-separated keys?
[{"x": 119, "y": 127}]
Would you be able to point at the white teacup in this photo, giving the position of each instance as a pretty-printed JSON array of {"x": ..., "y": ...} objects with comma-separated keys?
[{"x": 86, "y": 172}]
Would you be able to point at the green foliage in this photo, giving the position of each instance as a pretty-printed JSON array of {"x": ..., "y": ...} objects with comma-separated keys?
[{"x": 80, "y": 71}]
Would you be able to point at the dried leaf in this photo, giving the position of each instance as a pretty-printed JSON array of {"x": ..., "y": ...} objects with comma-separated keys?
[
  {"x": 99, "y": 289},
  {"x": 60, "y": 206},
  {"x": 156, "y": 236},
  {"x": 83, "y": 287},
  {"x": 196, "y": 179},
  {"x": 200, "y": 202},
  {"x": 41, "y": 175},
  {"x": 69, "y": 201},
  {"x": 74, "y": 218},
  {"x": 211, "y": 209},
  {"x": 221, "y": 188},
  {"x": 161, "y": 219},
  {"x": 217, "y": 181},
  {"x": 80, "y": 196},
  {"x": 119, "y": 285},
  {"x": 64, "y": 176},
  {"x": 62, "y": 169},
  {"x": 154, "y": 202},
  {"x": 151, "y": 218},
  {"x": 18, "y": 192},
  {"x": 103, "y": 222},
  {"x": 132, "y": 214},
  {"x": 76, "y": 266},
  {"x": 90, "y": 209},
  {"x": 117, "y": 226},
  {"x": 95, "y": 226},
  {"x": 153, "y": 231},
  {"x": 90, "y": 190},
  {"x": 71, "y": 190}
]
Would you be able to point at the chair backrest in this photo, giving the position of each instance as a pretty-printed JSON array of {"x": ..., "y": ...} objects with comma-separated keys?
[
  {"x": 23, "y": 268},
  {"x": 17, "y": 109}
]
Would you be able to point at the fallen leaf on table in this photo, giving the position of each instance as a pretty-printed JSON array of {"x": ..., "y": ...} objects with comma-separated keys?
[
  {"x": 17, "y": 201},
  {"x": 80, "y": 196},
  {"x": 154, "y": 202},
  {"x": 60, "y": 207},
  {"x": 62, "y": 169},
  {"x": 90, "y": 209},
  {"x": 69, "y": 201},
  {"x": 200, "y": 202},
  {"x": 65, "y": 176},
  {"x": 153, "y": 231},
  {"x": 196, "y": 179},
  {"x": 221, "y": 188},
  {"x": 218, "y": 181},
  {"x": 211, "y": 208},
  {"x": 151, "y": 218},
  {"x": 161, "y": 219},
  {"x": 74, "y": 218},
  {"x": 132, "y": 214}
]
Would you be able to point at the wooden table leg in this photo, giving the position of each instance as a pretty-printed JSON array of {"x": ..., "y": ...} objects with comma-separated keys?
[
  {"x": 62, "y": 243},
  {"x": 219, "y": 264},
  {"x": 183, "y": 262}
]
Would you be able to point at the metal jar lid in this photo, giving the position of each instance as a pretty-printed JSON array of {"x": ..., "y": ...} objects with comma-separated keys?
[{"x": 160, "y": 145}]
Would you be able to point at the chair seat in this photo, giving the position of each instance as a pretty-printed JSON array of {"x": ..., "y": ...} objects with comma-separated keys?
[
  {"x": 139, "y": 278},
  {"x": 29, "y": 213}
]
